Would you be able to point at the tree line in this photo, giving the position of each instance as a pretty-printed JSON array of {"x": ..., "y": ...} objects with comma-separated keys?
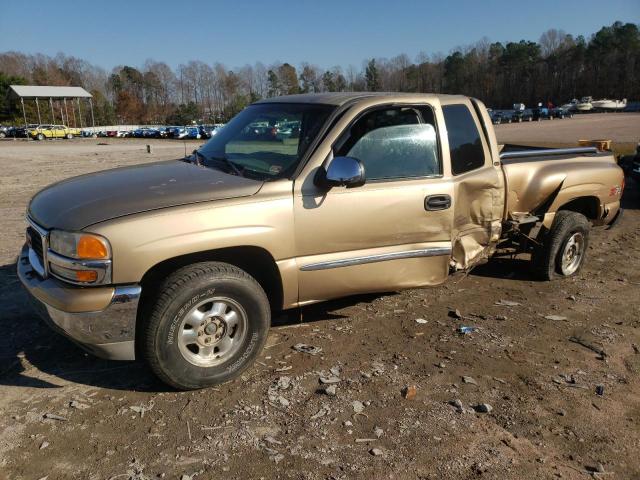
[{"x": 557, "y": 68}]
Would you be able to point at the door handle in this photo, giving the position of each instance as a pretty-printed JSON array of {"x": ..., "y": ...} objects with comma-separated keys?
[{"x": 437, "y": 202}]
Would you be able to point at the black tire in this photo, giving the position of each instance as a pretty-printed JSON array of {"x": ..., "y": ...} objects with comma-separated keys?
[
  {"x": 69, "y": 136},
  {"x": 176, "y": 297},
  {"x": 40, "y": 136},
  {"x": 546, "y": 259}
]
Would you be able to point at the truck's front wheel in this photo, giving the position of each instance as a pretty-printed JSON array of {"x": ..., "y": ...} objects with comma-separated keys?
[
  {"x": 564, "y": 248},
  {"x": 208, "y": 323}
]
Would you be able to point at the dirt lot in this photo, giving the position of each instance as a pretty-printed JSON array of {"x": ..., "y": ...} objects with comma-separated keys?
[
  {"x": 115, "y": 421},
  {"x": 620, "y": 127}
]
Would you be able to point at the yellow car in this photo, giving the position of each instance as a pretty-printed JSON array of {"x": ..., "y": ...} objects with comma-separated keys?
[{"x": 53, "y": 131}]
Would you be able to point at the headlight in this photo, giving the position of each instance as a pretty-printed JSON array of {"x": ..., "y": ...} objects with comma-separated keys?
[
  {"x": 81, "y": 258},
  {"x": 79, "y": 245}
]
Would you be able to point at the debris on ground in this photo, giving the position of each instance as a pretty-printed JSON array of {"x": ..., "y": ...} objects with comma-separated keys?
[
  {"x": 421, "y": 321},
  {"x": 142, "y": 409},
  {"x": 469, "y": 380},
  {"x": 588, "y": 345},
  {"x": 507, "y": 303},
  {"x": 409, "y": 392},
  {"x": 53, "y": 416},
  {"x": 556, "y": 318},
  {"x": 308, "y": 349},
  {"x": 464, "y": 330},
  {"x": 358, "y": 406},
  {"x": 330, "y": 390},
  {"x": 483, "y": 408},
  {"x": 329, "y": 380},
  {"x": 375, "y": 452}
]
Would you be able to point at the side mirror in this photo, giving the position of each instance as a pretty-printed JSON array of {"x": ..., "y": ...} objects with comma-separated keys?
[{"x": 342, "y": 172}]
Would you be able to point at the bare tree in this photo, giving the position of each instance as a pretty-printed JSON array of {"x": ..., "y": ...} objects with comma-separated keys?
[{"x": 551, "y": 40}]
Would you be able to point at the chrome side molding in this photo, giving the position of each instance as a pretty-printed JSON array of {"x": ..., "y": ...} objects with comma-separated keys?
[{"x": 383, "y": 257}]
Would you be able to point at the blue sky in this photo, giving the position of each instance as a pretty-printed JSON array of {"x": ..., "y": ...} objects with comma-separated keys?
[{"x": 323, "y": 32}]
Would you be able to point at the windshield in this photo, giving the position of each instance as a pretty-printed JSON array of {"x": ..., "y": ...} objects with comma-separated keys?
[{"x": 266, "y": 141}]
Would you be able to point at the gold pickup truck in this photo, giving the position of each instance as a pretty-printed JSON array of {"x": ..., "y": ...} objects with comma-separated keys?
[
  {"x": 182, "y": 262},
  {"x": 42, "y": 132}
]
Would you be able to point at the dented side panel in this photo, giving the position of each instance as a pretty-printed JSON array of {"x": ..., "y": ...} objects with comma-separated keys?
[
  {"x": 478, "y": 199},
  {"x": 477, "y": 221}
]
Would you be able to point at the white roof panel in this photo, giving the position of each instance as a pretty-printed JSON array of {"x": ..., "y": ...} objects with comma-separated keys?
[{"x": 33, "y": 91}]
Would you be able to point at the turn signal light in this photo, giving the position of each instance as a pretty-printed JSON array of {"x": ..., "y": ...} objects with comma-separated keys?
[
  {"x": 86, "y": 275},
  {"x": 91, "y": 247}
]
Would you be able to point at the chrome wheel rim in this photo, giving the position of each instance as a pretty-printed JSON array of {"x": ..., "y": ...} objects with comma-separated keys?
[
  {"x": 212, "y": 331},
  {"x": 572, "y": 254}
]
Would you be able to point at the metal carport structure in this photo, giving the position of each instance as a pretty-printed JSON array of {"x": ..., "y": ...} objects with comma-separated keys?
[{"x": 37, "y": 92}]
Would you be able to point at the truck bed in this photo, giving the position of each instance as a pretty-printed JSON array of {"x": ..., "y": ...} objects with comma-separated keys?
[{"x": 539, "y": 180}]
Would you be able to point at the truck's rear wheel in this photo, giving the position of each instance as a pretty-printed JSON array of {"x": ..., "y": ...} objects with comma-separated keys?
[
  {"x": 564, "y": 248},
  {"x": 208, "y": 323}
]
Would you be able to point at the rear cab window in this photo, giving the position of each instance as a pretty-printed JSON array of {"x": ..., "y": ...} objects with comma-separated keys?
[{"x": 466, "y": 147}]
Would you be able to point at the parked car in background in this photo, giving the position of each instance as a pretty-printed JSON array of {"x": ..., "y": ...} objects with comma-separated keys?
[
  {"x": 42, "y": 132},
  {"x": 152, "y": 132},
  {"x": 495, "y": 116},
  {"x": 193, "y": 133},
  {"x": 632, "y": 107},
  {"x": 507, "y": 116},
  {"x": 525, "y": 115},
  {"x": 288, "y": 130},
  {"x": 180, "y": 133},
  {"x": 211, "y": 130},
  {"x": 171, "y": 132},
  {"x": 542, "y": 113},
  {"x": 560, "y": 112},
  {"x": 3, "y": 131},
  {"x": 139, "y": 132},
  {"x": 21, "y": 132}
]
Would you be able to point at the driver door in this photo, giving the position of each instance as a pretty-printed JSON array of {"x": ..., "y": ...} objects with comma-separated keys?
[{"x": 383, "y": 235}]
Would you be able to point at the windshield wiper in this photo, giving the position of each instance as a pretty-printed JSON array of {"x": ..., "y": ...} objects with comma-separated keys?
[
  {"x": 199, "y": 157},
  {"x": 228, "y": 163}
]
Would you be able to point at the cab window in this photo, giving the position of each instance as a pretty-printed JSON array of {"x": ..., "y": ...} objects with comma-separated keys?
[
  {"x": 465, "y": 145},
  {"x": 393, "y": 143}
]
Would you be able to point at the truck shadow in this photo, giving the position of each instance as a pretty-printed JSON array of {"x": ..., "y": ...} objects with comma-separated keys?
[
  {"x": 506, "y": 268},
  {"x": 34, "y": 356}
]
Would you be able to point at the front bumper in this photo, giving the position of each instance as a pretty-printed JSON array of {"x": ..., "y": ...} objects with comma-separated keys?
[{"x": 102, "y": 320}]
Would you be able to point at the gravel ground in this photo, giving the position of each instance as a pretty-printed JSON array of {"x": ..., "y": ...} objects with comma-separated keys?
[{"x": 65, "y": 414}]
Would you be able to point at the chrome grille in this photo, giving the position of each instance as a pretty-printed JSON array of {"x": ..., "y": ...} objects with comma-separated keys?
[
  {"x": 38, "y": 244},
  {"x": 35, "y": 242}
]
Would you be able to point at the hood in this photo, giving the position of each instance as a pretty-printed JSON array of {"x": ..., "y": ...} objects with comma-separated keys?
[{"x": 82, "y": 201}]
